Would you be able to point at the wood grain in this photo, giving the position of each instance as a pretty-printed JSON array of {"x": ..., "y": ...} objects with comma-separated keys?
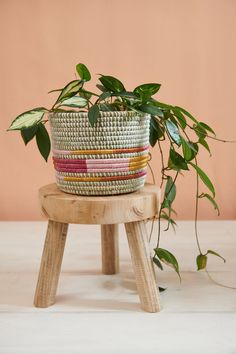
[
  {"x": 110, "y": 249},
  {"x": 142, "y": 265},
  {"x": 50, "y": 264},
  {"x": 75, "y": 209}
]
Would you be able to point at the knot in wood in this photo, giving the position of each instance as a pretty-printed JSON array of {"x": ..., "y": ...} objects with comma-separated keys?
[{"x": 138, "y": 211}]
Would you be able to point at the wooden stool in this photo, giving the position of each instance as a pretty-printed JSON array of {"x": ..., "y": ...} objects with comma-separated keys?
[{"x": 131, "y": 209}]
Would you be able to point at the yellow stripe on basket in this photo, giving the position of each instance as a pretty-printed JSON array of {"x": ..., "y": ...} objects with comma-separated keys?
[
  {"x": 107, "y": 151},
  {"x": 145, "y": 157},
  {"x": 138, "y": 162},
  {"x": 137, "y": 167},
  {"x": 105, "y": 178}
]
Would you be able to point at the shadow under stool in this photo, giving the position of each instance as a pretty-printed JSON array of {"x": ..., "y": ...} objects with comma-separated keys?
[{"x": 131, "y": 209}]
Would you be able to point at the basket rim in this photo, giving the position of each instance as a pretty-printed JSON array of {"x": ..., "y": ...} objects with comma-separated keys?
[{"x": 68, "y": 114}]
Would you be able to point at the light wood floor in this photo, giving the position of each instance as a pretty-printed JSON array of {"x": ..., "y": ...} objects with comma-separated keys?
[{"x": 98, "y": 313}]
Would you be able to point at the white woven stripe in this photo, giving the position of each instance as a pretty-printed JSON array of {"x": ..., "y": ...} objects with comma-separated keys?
[{"x": 99, "y": 174}]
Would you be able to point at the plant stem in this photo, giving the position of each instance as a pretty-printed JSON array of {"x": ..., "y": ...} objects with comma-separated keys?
[
  {"x": 159, "y": 219},
  {"x": 162, "y": 164},
  {"x": 196, "y": 211}
]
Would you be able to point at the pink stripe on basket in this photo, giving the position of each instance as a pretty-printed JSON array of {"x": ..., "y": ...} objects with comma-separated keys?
[
  {"x": 91, "y": 170},
  {"x": 91, "y": 161},
  {"x": 91, "y": 166}
]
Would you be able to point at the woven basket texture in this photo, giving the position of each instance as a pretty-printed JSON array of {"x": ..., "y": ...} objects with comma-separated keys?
[{"x": 117, "y": 139}]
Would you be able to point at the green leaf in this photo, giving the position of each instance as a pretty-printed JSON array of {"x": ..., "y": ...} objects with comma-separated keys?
[
  {"x": 29, "y": 133},
  {"x": 43, "y": 141},
  {"x": 70, "y": 90},
  {"x": 156, "y": 132},
  {"x": 189, "y": 148},
  {"x": 83, "y": 72},
  {"x": 127, "y": 94},
  {"x": 157, "y": 262},
  {"x": 212, "y": 201},
  {"x": 151, "y": 109},
  {"x": 56, "y": 90},
  {"x": 176, "y": 161},
  {"x": 205, "y": 179},
  {"x": 86, "y": 94},
  {"x": 173, "y": 131},
  {"x": 74, "y": 101},
  {"x": 160, "y": 104},
  {"x": 204, "y": 144},
  {"x": 104, "y": 95},
  {"x": 167, "y": 258},
  {"x": 201, "y": 261},
  {"x": 189, "y": 115},
  {"x": 111, "y": 83},
  {"x": 180, "y": 117},
  {"x": 216, "y": 254},
  {"x": 187, "y": 151},
  {"x": 206, "y": 127},
  {"x": 146, "y": 90},
  {"x": 27, "y": 119},
  {"x": 164, "y": 216},
  {"x": 200, "y": 131},
  {"x": 102, "y": 88},
  {"x": 170, "y": 191},
  {"x": 171, "y": 221},
  {"x": 106, "y": 107},
  {"x": 93, "y": 114}
]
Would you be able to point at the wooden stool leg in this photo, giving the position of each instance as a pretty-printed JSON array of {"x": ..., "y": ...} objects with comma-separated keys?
[
  {"x": 50, "y": 264},
  {"x": 110, "y": 249},
  {"x": 142, "y": 265}
]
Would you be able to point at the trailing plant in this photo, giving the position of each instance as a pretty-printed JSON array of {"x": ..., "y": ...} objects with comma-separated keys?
[{"x": 170, "y": 124}]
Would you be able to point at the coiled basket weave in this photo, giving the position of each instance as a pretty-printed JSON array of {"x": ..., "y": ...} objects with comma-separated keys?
[{"x": 109, "y": 158}]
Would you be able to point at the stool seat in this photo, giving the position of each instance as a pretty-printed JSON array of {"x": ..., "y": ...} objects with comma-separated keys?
[
  {"x": 62, "y": 209},
  {"x": 76, "y": 209}
]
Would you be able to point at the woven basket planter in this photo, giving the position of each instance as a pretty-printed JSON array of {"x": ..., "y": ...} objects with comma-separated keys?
[{"x": 109, "y": 158}]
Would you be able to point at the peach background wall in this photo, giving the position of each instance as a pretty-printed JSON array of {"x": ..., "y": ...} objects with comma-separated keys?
[{"x": 187, "y": 45}]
